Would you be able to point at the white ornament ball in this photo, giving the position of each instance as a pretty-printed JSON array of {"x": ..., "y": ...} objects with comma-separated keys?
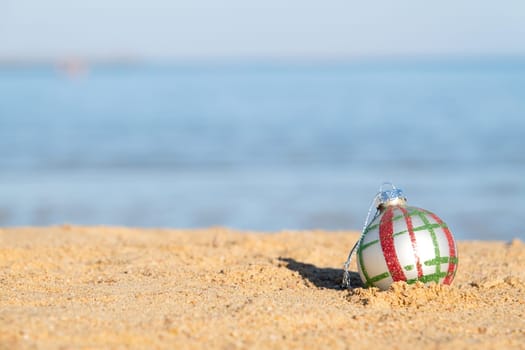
[{"x": 407, "y": 244}]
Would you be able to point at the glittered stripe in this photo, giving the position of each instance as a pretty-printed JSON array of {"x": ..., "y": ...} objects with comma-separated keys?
[
  {"x": 435, "y": 242},
  {"x": 386, "y": 231},
  {"x": 410, "y": 228},
  {"x": 371, "y": 243},
  {"x": 373, "y": 226},
  {"x": 363, "y": 267},
  {"x": 435, "y": 277},
  {"x": 442, "y": 260},
  {"x": 378, "y": 278},
  {"x": 426, "y": 227},
  {"x": 451, "y": 250}
]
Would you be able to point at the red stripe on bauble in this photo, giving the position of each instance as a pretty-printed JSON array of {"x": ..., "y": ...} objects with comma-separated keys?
[{"x": 386, "y": 237}]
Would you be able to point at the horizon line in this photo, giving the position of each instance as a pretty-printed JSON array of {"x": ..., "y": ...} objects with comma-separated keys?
[{"x": 135, "y": 60}]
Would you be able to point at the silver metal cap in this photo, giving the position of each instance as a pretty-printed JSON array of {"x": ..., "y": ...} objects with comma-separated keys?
[{"x": 393, "y": 196}]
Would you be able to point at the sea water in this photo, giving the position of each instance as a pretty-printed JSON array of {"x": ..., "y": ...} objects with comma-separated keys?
[{"x": 264, "y": 146}]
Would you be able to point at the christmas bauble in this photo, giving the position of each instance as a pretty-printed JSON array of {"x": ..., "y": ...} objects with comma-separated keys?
[{"x": 404, "y": 243}]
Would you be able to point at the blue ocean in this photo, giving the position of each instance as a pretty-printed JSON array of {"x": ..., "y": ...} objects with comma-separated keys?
[{"x": 264, "y": 146}]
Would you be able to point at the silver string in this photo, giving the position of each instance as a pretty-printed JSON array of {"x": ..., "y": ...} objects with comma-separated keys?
[
  {"x": 374, "y": 203},
  {"x": 346, "y": 275}
]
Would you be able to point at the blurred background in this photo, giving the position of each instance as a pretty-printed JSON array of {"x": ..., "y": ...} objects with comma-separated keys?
[{"x": 261, "y": 115}]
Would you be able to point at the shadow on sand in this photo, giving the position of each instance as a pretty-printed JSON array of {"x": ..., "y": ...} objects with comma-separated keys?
[{"x": 326, "y": 277}]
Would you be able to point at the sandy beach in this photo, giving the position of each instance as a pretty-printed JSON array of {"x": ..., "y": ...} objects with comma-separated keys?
[{"x": 98, "y": 287}]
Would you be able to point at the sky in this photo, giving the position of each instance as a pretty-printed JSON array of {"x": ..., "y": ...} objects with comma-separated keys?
[{"x": 202, "y": 29}]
